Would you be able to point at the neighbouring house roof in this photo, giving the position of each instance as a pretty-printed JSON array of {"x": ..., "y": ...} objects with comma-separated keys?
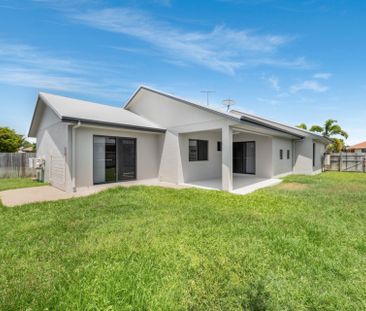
[
  {"x": 236, "y": 115},
  {"x": 75, "y": 110},
  {"x": 358, "y": 146}
]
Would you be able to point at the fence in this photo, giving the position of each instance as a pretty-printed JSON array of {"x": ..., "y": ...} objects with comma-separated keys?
[
  {"x": 16, "y": 165},
  {"x": 345, "y": 162}
]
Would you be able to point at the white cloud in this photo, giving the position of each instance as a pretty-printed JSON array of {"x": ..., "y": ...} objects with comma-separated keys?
[
  {"x": 309, "y": 85},
  {"x": 28, "y": 55},
  {"x": 222, "y": 49},
  {"x": 322, "y": 75},
  {"x": 274, "y": 82},
  {"x": 25, "y": 65}
]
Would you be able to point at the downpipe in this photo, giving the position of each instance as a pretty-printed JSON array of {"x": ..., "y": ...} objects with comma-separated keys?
[{"x": 73, "y": 155}]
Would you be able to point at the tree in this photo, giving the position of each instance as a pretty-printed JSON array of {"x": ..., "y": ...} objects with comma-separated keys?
[
  {"x": 10, "y": 141},
  {"x": 27, "y": 144},
  {"x": 302, "y": 126},
  {"x": 337, "y": 146},
  {"x": 331, "y": 130}
]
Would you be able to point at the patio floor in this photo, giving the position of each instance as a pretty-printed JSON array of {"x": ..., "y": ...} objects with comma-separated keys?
[{"x": 241, "y": 184}]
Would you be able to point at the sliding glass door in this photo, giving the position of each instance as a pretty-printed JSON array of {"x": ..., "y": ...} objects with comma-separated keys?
[
  {"x": 114, "y": 159},
  {"x": 104, "y": 166},
  {"x": 244, "y": 157},
  {"x": 126, "y": 158}
]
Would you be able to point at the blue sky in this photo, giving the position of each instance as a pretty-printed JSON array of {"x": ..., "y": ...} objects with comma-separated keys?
[{"x": 292, "y": 61}]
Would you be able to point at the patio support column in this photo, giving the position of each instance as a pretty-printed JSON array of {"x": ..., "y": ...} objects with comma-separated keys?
[{"x": 227, "y": 158}]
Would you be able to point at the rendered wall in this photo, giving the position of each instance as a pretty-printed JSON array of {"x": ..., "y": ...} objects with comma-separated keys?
[
  {"x": 147, "y": 147},
  {"x": 52, "y": 145},
  {"x": 303, "y": 162},
  {"x": 180, "y": 119},
  {"x": 319, "y": 153},
  {"x": 263, "y": 152},
  {"x": 281, "y": 167},
  {"x": 200, "y": 170}
]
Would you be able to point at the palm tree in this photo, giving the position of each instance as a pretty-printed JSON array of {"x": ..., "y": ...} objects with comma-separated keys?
[{"x": 329, "y": 130}]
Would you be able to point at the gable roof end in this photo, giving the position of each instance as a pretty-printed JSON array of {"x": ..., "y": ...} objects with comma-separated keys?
[
  {"x": 230, "y": 115},
  {"x": 75, "y": 110}
]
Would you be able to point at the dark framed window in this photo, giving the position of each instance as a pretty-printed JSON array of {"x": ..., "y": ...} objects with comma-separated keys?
[
  {"x": 114, "y": 159},
  {"x": 314, "y": 153},
  {"x": 281, "y": 154},
  {"x": 288, "y": 154},
  {"x": 198, "y": 150},
  {"x": 219, "y": 147}
]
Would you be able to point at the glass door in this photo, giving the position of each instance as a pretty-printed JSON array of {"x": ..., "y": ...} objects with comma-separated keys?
[
  {"x": 244, "y": 157},
  {"x": 249, "y": 157},
  {"x": 104, "y": 162},
  {"x": 126, "y": 149}
]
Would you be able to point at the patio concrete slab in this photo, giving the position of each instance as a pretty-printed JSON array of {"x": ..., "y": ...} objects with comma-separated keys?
[
  {"x": 241, "y": 184},
  {"x": 21, "y": 196}
]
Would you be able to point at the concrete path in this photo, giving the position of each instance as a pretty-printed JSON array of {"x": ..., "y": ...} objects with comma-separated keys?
[{"x": 21, "y": 196}]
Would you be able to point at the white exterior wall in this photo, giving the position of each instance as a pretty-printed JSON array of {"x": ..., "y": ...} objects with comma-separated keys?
[
  {"x": 52, "y": 145},
  {"x": 263, "y": 152},
  {"x": 281, "y": 167},
  {"x": 319, "y": 153},
  {"x": 303, "y": 163},
  {"x": 170, "y": 169},
  {"x": 180, "y": 119},
  {"x": 199, "y": 170},
  {"x": 148, "y": 153}
]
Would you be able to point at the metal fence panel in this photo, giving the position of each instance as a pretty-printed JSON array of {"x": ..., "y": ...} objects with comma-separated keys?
[{"x": 345, "y": 162}]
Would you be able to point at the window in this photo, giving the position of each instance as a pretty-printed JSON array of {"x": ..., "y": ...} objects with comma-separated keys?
[
  {"x": 288, "y": 154},
  {"x": 219, "y": 146},
  {"x": 313, "y": 154},
  {"x": 198, "y": 150},
  {"x": 281, "y": 154}
]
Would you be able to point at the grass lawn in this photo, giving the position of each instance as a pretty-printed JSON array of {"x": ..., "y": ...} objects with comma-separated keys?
[
  {"x": 14, "y": 183},
  {"x": 298, "y": 246}
]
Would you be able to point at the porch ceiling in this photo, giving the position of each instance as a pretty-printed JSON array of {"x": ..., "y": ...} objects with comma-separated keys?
[{"x": 260, "y": 130}]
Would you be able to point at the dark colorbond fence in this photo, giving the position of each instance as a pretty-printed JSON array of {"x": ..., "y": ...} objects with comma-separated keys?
[
  {"x": 345, "y": 162},
  {"x": 16, "y": 165}
]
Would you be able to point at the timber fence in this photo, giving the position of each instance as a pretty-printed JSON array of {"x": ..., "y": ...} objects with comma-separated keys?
[{"x": 16, "y": 165}]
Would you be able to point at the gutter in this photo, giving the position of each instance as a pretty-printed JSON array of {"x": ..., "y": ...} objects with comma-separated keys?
[
  {"x": 116, "y": 125},
  {"x": 73, "y": 155}
]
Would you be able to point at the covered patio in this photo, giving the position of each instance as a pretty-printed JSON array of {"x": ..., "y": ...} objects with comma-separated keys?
[{"x": 237, "y": 159}]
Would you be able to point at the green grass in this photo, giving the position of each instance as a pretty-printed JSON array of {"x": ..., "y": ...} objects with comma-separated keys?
[
  {"x": 14, "y": 183},
  {"x": 297, "y": 246}
]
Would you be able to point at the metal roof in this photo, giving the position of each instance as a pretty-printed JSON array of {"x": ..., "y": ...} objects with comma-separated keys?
[
  {"x": 233, "y": 114},
  {"x": 74, "y": 110}
]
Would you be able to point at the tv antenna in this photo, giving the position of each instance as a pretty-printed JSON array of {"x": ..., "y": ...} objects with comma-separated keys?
[
  {"x": 208, "y": 96},
  {"x": 228, "y": 103}
]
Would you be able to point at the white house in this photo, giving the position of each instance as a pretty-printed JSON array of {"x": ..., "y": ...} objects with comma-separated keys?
[{"x": 164, "y": 137}]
